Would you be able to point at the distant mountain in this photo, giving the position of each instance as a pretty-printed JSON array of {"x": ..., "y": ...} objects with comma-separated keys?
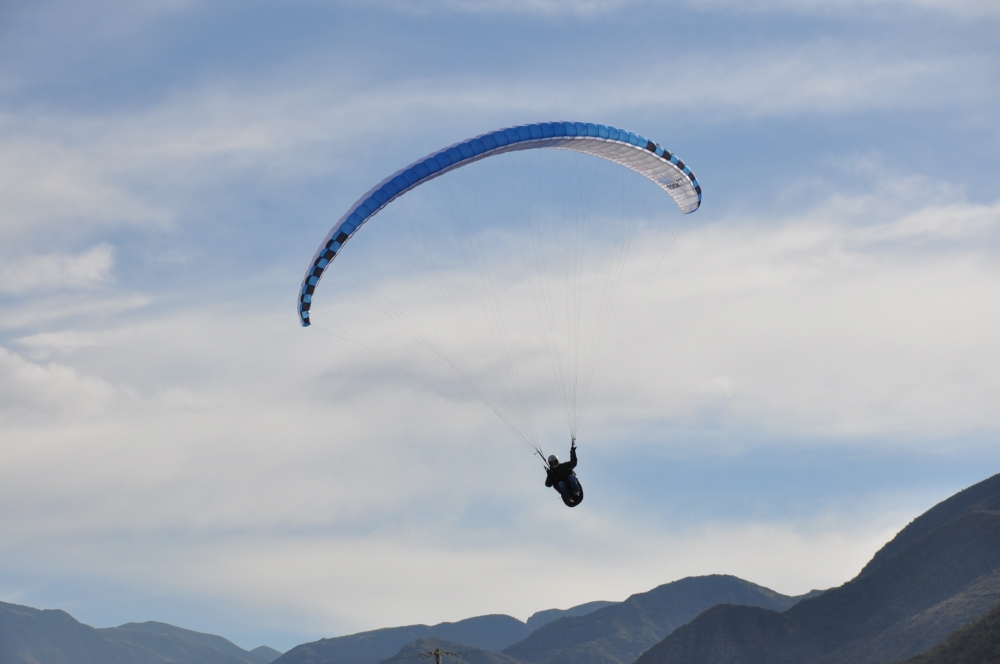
[
  {"x": 492, "y": 632},
  {"x": 175, "y": 644},
  {"x": 619, "y": 633},
  {"x": 941, "y": 572},
  {"x": 31, "y": 636},
  {"x": 977, "y": 643},
  {"x": 265, "y": 654},
  {"x": 545, "y": 617}
]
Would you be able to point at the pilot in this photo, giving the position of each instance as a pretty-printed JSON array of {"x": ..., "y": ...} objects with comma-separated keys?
[{"x": 561, "y": 477}]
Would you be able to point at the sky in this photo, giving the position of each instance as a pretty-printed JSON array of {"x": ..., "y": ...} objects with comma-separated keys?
[{"x": 813, "y": 362}]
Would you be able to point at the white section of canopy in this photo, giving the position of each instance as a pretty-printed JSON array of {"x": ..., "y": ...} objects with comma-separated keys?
[{"x": 667, "y": 175}]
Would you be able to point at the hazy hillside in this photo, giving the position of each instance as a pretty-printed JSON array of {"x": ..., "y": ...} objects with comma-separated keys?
[
  {"x": 493, "y": 632},
  {"x": 31, "y": 636},
  {"x": 941, "y": 572},
  {"x": 265, "y": 653},
  {"x": 978, "y": 643},
  {"x": 149, "y": 640},
  {"x": 545, "y": 617},
  {"x": 619, "y": 633}
]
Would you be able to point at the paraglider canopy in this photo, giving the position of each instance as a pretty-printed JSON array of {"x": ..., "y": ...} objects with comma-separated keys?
[{"x": 629, "y": 149}]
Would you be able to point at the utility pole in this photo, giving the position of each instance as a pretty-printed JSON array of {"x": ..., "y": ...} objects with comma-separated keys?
[{"x": 436, "y": 654}]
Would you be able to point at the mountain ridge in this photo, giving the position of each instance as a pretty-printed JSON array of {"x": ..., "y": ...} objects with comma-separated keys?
[
  {"x": 52, "y": 636},
  {"x": 619, "y": 633},
  {"x": 936, "y": 575},
  {"x": 982, "y": 496}
]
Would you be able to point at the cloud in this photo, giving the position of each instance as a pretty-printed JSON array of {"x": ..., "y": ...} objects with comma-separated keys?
[
  {"x": 592, "y": 9},
  {"x": 58, "y": 271},
  {"x": 440, "y": 573},
  {"x": 328, "y": 584},
  {"x": 31, "y": 392},
  {"x": 947, "y": 223},
  {"x": 48, "y": 308},
  {"x": 66, "y": 174},
  {"x": 830, "y": 324}
]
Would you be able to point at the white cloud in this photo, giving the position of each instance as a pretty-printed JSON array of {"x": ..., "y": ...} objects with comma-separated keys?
[
  {"x": 602, "y": 8},
  {"x": 876, "y": 9},
  {"x": 47, "y": 308},
  {"x": 58, "y": 271},
  {"x": 407, "y": 572},
  {"x": 48, "y": 393},
  {"x": 431, "y": 583},
  {"x": 63, "y": 173},
  {"x": 821, "y": 327}
]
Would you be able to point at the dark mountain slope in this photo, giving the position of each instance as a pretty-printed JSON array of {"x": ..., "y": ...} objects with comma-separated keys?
[
  {"x": 492, "y": 632},
  {"x": 30, "y": 636},
  {"x": 619, "y": 633},
  {"x": 853, "y": 623},
  {"x": 735, "y": 635},
  {"x": 977, "y": 643},
  {"x": 545, "y": 617},
  {"x": 929, "y": 571},
  {"x": 912, "y": 598},
  {"x": 411, "y": 654},
  {"x": 929, "y": 627},
  {"x": 981, "y": 497}
]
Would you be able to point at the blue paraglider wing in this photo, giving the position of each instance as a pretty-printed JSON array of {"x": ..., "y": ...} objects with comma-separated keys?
[{"x": 631, "y": 150}]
